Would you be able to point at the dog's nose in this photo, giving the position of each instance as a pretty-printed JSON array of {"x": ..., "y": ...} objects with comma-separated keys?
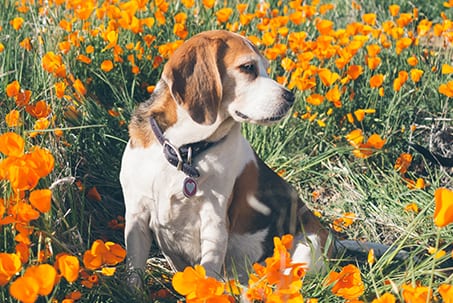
[{"x": 289, "y": 96}]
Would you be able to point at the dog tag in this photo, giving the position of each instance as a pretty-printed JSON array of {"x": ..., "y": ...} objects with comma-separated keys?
[{"x": 189, "y": 187}]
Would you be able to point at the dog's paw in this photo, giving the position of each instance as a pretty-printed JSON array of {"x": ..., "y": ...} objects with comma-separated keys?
[{"x": 135, "y": 281}]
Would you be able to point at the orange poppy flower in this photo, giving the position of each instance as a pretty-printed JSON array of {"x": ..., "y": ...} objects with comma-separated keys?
[
  {"x": 51, "y": 62},
  {"x": 443, "y": 212},
  {"x": 83, "y": 59},
  {"x": 447, "y": 69},
  {"x": 315, "y": 99},
  {"x": 13, "y": 89},
  {"x": 334, "y": 95},
  {"x": 26, "y": 44},
  {"x": 369, "y": 18},
  {"x": 347, "y": 283},
  {"x": 68, "y": 266},
  {"x": 412, "y": 207},
  {"x": 394, "y": 10},
  {"x": 60, "y": 88},
  {"x": 327, "y": 76},
  {"x": 373, "y": 62},
  {"x": 354, "y": 71},
  {"x": 385, "y": 298},
  {"x": 416, "y": 74},
  {"x": 45, "y": 275},
  {"x": 107, "y": 65},
  {"x": 41, "y": 199},
  {"x": 223, "y": 14},
  {"x": 403, "y": 162},
  {"x": 79, "y": 87},
  {"x": 13, "y": 119},
  {"x": 446, "y": 290},
  {"x": 324, "y": 27},
  {"x": 360, "y": 113},
  {"x": 208, "y": 3},
  {"x": 416, "y": 294},
  {"x": 17, "y": 22},
  {"x": 446, "y": 89},
  {"x": 11, "y": 144},
  {"x": 10, "y": 264},
  {"x": 412, "y": 61},
  {"x": 376, "y": 81},
  {"x": 25, "y": 289},
  {"x": 402, "y": 44},
  {"x": 23, "y": 251},
  {"x": 40, "y": 110}
]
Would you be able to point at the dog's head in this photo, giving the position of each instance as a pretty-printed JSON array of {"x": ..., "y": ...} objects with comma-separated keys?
[{"x": 218, "y": 74}]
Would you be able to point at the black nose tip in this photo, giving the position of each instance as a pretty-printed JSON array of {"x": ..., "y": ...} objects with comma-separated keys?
[{"x": 289, "y": 96}]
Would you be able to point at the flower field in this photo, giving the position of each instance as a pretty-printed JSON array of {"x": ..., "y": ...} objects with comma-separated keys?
[{"x": 368, "y": 86}]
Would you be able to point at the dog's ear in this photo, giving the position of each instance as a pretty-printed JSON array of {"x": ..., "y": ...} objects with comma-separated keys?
[{"x": 193, "y": 77}]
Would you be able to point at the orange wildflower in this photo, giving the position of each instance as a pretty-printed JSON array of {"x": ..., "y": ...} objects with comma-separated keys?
[
  {"x": 373, "y": 62},
  {"x": 13, "y": 119},
  {"x": 446, "y": 290},
  {"x": 208, "y": 3},
  {"x": 334, "y": 95},
  {"x": 354, "y": 71},
  {"x": 327, "y": 76},
  {"x": 446, "y": 89},
  {"x": 360, "y": 113},
  {"x": 402, "y": 44},
  {"x": 41, "y": 199},
  {"x": 10, "y": 264},
  {"x": 26, "y": 44},
  {"x": 324, "y": 27},
  {"x": 94, "y": 195},
  {"x": 84, "y": 59},
  {"x": 394, "y": 10},
  {"x": 197, "y": 287},
  {"x": 343, "y": 222},
  {"x": 68, "y": 266},
  {"x": 223, "y": 14},
  {"x": 107, "y": 65},
  {"x": 373, "y": 50},
  {"x": 376, "y": 81},
  {"x": 369, "y": 18},
  {"x": 416, "y": 294},
  {"x": 11, "y": 144},
  {"x": 403, "y": 162},
  {"x": 443, "y": 212},
  {"x": 447, "y": 69},
  {"x": 415, "y": 74},
  {"x": 412, "y": 61},
  {"x": 347, "y": 283},
  {"x": 25, "y": 289},
  {"x": 385, "y": 298},
  {"x": 13, "y": 89},
  {"x": 23, "y": 251},
  {"x": 45, "y": 275},
  {"x": 315, "y": 99},
  {"x": 101, "y": 253},
  {"x": 411, "y": 207},
  {"x": 355, "y": 137},
  {"x": 17, "y": 23},
  {"x": 60, "y": 88},
  {"x": 40, "y": 110},
  {"x": 79, "y": 87}
]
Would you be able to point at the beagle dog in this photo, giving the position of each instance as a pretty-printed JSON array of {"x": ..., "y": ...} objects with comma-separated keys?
[{"x": 190, "y": 179}]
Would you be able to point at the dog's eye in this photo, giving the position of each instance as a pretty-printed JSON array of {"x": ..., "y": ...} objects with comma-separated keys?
[{"x": 248, "y": 68}]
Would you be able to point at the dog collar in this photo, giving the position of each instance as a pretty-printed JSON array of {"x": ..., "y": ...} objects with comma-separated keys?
[{"x": 181, "y": 157}]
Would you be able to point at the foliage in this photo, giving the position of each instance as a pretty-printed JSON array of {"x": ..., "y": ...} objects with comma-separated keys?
[{"x": 71, "y": 73}]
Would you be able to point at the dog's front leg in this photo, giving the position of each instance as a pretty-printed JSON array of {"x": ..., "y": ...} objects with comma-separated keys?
[
  {"x": 138, "y": 243},
  {"x": 214, "y": 240}
]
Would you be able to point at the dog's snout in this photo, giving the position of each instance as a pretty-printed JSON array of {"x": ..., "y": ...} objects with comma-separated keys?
[{"x": 288, "y": 96}]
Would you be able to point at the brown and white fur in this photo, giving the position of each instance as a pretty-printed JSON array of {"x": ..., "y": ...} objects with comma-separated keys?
[{"x": 210, "y": 85}]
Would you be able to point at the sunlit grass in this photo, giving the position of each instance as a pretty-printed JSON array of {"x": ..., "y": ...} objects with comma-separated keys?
[{"x": 71, "y": 73}]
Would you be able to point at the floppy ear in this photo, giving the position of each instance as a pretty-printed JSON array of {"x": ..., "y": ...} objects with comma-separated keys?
[{"x": 193, "y": 76}]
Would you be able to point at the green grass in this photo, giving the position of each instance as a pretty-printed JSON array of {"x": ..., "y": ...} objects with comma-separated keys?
[{"x": 312, "y": 158}]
